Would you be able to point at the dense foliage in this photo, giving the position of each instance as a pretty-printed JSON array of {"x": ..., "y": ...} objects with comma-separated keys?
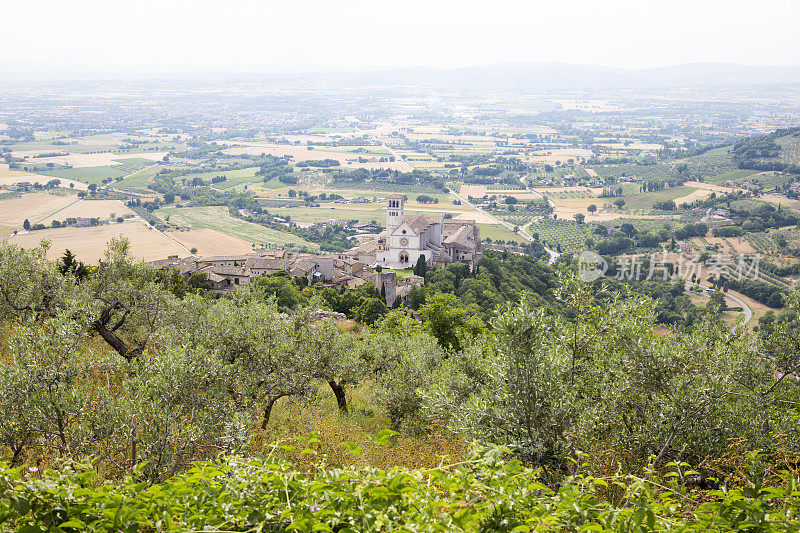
[
  {"x": 485, "y": 492},
  {"x": 602, "y": 420}
]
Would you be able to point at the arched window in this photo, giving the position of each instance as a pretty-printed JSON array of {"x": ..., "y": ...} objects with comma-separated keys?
[{"x": 403, "y": 257}]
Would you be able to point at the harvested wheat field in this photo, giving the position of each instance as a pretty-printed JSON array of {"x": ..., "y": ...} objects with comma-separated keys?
[
  {"x": 479, "y": 217},
  {"x": 12, "y": 177},
  {"x": 778, "y": 199},
  {"x": 102, "y": 209},
  {"x": 211, "y": 242},
  {"x": 89, "y": 244},
  {"x": 711, "y": 187},
  {"x": 476, "y": 191},
  {"x": 31, "y": 206},
  {"x": 698, "y": 194}
]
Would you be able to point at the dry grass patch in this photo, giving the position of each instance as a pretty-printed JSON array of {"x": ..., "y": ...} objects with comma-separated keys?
[
  {"x": 89, "y": 243},
  {"x": 710, "y": 187},
  {"x": 32, "y": 206},
  {"x": 102, "y": 209},
  {"x": 476, "y": 191},
  {"x": 698, "y": 194},
  {"x": 477, "y": 216},
  {"x": 12, "y": 177},
  {"x": 211, "y": 242}
]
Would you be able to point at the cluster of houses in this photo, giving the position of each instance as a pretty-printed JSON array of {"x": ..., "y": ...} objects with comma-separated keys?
[
  {"x": 226, "y": 273},
  {"x": 437, "y": 241}
]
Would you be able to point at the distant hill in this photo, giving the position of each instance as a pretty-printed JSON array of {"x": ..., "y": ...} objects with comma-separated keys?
[
  {"x": 779, "y": 150},
  {"x": 564, "y": 76},
  {"x": 729, "y": 162},
  {"x": 505, "y": 76}
]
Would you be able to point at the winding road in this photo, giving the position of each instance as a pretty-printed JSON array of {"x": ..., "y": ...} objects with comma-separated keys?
[
  {"x": 521, "y": 231},
  {"x": 748, "y": 313}
]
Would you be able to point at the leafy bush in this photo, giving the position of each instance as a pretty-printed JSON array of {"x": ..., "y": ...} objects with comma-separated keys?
[{"x": 486, "y": 492}]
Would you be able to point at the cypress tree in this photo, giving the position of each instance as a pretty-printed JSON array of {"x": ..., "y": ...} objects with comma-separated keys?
[{"x": 421, "y": 268}]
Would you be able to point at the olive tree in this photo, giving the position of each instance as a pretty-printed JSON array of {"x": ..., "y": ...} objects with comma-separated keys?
[
  {"x": 126, "y": 302},
  {"x": 31, "y": 284},
  {"x": 42, "y": 397},
  {"x": 335, "y": 359}
]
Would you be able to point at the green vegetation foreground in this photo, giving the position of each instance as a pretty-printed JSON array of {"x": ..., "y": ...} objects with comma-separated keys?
[{"x": 115, "y": 380}]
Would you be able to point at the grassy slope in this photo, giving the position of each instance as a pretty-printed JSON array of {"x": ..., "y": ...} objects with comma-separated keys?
[
  {"x": 645, "y": 200},
  {"x": 218, "y": 218}
]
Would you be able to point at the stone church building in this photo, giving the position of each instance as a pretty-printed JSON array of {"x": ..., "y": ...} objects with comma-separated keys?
[{"x": 440, "y": 241}]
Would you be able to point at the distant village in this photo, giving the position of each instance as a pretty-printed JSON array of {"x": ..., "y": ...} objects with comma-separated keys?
[
  {"x": 404, "y": 244},
  {"x": 229, "y": 272}
]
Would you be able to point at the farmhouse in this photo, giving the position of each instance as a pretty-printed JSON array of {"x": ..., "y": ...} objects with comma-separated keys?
[{"x": 405, "y": 240}]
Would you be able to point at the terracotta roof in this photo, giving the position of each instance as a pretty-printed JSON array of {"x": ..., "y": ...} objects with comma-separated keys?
[
  {"x": 265, "y": 263},
  {"x": 395, "y": 197},
  {"x": 183, "y": 266},
  {"x": 420, "y": 223},
  {"x": 304, "y": 263},
  {"x": 460, "y": 237},
  {"x": 240, "y": 257},
  {"x": 227, "y": 270},
  {"x": 367, "y": 248},
  {"x": 452, "y": 226}
]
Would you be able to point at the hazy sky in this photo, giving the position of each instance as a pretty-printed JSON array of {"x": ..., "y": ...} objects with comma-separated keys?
[{"x": 303, "y": 35}]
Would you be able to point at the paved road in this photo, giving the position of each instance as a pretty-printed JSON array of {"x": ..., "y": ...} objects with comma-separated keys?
[
  {"x": 524, "y": 229},
  {"x": 522, "y": 232},
  {"x": 397, "y": 156},
  {"x": 748, "y": 313}
]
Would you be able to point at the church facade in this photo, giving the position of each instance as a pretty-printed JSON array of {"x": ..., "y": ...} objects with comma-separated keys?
[{"x": 440, "y": 242}]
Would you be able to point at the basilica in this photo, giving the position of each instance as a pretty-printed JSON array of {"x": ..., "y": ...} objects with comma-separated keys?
[{"x": 440, "y": 241}]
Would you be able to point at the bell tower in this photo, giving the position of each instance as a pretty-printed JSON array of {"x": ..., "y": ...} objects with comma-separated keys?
[{"x": 394, "y": 210}]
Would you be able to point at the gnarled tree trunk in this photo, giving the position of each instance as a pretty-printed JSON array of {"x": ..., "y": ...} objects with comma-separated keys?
[
  {"x": 338, "y": 391},
  {"x": 268, "y": 410},
  {"x": 115, "y": 341}
]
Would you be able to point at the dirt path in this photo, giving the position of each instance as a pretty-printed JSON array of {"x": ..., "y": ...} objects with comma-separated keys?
[{"x": 146, "y": 223}]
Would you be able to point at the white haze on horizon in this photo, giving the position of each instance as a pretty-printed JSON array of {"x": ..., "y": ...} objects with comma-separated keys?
[{"x": 184, "y": 36}]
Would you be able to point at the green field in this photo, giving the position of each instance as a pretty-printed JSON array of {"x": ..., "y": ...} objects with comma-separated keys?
[
  {"x": 141, "y": 161},
  {"x": 139, "y": 180},
  {"x": 733, "y": 175},
  {"x": 497, "y": 232},
  {"x": 569, "y": 235},
  {"x": 645, "y": 200},
  {"x": 660, "y": 171},
  {"x": 711, "y": 163},
  {"x": 89, "y": 175},
  {"x": 641, "y": 224},
  {"x": 235, "y": 177},
  {"x": 218, "y": 218}
]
